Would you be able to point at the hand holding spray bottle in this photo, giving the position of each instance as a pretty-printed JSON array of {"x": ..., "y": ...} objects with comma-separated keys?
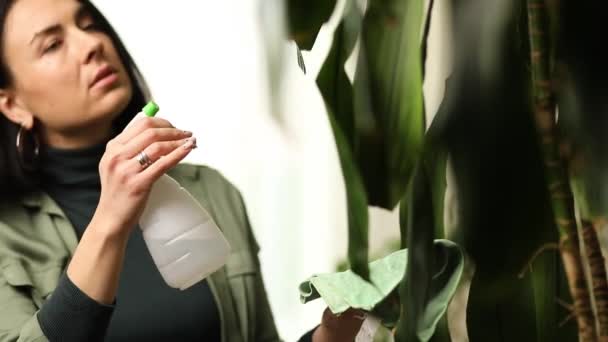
[{"x": 184, "y": 241}]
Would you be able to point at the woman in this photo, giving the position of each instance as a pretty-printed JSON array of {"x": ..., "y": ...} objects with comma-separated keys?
[{"x": 73, "y": 265}]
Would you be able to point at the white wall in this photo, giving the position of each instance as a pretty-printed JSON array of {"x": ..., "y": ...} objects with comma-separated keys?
[{"x": 205, "y": 64}]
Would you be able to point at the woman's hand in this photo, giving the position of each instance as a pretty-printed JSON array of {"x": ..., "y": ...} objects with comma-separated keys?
[
  {"x": 339, "y": 328},
  {"x": 125, "y": 183}
]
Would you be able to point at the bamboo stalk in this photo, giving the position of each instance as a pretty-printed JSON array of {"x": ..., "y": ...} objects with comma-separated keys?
[
  {"x": 598, "y": 276},
  {"x": 562, "y": 200}
]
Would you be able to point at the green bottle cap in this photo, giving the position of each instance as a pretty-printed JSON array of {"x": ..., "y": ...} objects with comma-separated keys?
[{"x": 150, "y": 109}]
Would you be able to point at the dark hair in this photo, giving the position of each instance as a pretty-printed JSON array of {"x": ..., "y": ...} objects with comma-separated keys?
[{"x": 15, "y": 180}]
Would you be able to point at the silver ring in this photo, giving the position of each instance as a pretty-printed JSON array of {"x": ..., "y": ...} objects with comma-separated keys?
[{"x": 143, "y": 159}]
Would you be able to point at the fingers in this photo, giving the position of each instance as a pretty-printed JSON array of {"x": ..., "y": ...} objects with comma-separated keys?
[
  {"x": 164, "y": 147},
  {"x": 140, "y": 124},
  {"x": 157, "y": 150},
  {"x": 349, "y": 317},
  {"x": 150, "y": 137},
  {"x": 342, "y": 327},
  {"x": 149, "y": 175}
]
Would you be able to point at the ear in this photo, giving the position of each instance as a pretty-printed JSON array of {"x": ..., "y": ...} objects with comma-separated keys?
[{"x": 14, "y": 111}]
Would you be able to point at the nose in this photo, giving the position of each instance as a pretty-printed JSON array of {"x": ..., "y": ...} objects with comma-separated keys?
[{"x": 92, "y": 47}]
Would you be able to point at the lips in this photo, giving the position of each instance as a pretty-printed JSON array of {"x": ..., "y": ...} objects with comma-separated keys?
[{"x": 102, "y": 73}]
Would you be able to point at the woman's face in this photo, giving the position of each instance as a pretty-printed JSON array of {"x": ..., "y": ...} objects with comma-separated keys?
[{"x": 66, "y": 73}]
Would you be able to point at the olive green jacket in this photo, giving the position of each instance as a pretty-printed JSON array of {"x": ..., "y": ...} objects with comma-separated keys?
[{"x": 37, "y": 241}]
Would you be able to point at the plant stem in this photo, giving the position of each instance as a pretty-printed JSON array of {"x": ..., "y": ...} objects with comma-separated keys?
[
  {"x": 598, "y": 276},
  {"x": 562, "y": 200}
]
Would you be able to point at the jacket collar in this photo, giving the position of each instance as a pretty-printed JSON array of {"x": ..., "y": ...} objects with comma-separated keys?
[{"x": 42, "y": 201}]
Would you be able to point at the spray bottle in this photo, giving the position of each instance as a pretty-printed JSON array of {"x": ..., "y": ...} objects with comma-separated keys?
[{"x": 184, "y": 241}]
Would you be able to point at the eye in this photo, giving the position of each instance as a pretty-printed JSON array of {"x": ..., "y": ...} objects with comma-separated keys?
[
  {"x": 91, "y": 26},
  {"x": 52, "y": 47}
]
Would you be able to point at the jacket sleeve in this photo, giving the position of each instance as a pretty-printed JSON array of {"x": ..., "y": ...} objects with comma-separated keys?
[
  {"x": 265, "y": 329},
  {"x": 67, "y": 315}
]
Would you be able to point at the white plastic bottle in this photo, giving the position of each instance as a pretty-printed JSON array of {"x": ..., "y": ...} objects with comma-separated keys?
[{"x": 184, "y": 241}]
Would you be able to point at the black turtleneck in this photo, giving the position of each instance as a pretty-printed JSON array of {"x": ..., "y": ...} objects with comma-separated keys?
[{"x": 146, "y": 308}]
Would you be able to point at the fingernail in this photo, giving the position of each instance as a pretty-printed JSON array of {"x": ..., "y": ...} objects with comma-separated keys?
[
  {"x": 188, "y": 133},
  {"x": 190, "y": 142}
]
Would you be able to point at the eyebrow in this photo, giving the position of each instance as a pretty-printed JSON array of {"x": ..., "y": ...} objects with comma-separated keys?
[{"x": 80, "y": 13}]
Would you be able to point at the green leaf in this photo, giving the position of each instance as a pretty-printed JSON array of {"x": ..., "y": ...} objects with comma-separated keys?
[
  {"x": 505, "y": 215},
  {"x": 422, "y": 216},
  {"x": 434, "y": 166},
  {"x": 582, "y": 102},
  {"x": 356, "y": 205},
  {"x": 417, "y": 216},
  {"x": 306, "y": 18},
  {"x": 421, "y": 220},
  {"x": 544, "y": 272},
  {"x": 442, "y": 288},
  {"x": 337, "y": 94},
  {"x": 435, "y": 159},
  {"x": 332, "y": 80},
  {"x": 425, "y": 35},
  {"x": 388, "y": 93},
  {"x": 344, "y": 290}
]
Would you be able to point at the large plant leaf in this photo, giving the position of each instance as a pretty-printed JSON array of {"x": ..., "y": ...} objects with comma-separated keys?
[
  {"x": 504, "y": 210},
  {"x": 306, "y": 18},
  {"x": 300, "y": 21},
  {"x": 337, "y": 94},
  {"x": 332, "y": 80},
  {"x": 425, "y": 35},
  {"x": 344, "y": 290},
  {"x": 416, "y": 215},
  {"x": 435, "y": 158},
  {"x": 389, "y": 113},
  {"x": 356, "y": 205},
  {"x": 421, "y": 219},
  {"x": 584, "y": 106},
  {"x": 584, "y": 119}
]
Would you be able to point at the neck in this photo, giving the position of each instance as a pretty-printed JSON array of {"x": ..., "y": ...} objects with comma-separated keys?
[{"x": 78, "y": 139}]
